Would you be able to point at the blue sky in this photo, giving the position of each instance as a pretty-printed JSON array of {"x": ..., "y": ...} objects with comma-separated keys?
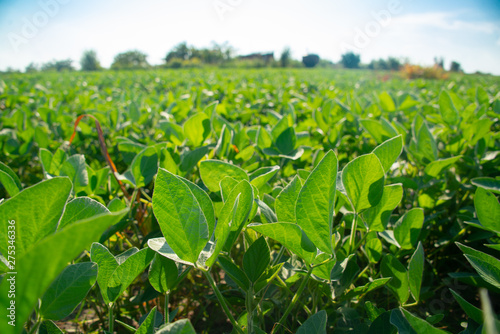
[{"x": 465, "y": 31}]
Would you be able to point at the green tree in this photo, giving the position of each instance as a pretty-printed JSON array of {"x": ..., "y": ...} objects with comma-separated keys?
[
  {"x": 32, "y": 67},
  {"x": 180, "y": 51},
  {"x": 130, "y": 60},
  {"x": 350, "y": 60},
  {"x": 285, "y": 58},
  {"x": 89, "y": 61},
  {"x": 59, "y": 65},
  {"x": 310, "y": 60},
  {"x": 455, "y": 67}
]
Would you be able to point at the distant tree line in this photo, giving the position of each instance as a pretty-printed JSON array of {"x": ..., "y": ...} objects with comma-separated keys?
[{"x": 224, "y": 55}]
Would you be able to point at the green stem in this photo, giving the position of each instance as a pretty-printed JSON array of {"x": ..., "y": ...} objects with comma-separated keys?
[
  {"x": 249, "y": 306},
  {"x": 167, "y": 315},
  {"x": 278, "y": 257},
  {"x": 111, "y": 321},
  {"x": 353, "y": 232},
  {"x": 294, "y": 299},
  {"x": 222, "y": 302}
]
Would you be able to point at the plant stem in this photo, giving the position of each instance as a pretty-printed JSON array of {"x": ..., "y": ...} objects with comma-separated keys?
[
  {"x": 353, "y": 232},
  {"x": 249, "y": 306},
  {"x": 278, "y": 257},
  {"x": 167, "y": 315},
  {"x": 111, "y": 321},
  {"x": 222, "y": 302},
  {"x": 294, "y": 299}
]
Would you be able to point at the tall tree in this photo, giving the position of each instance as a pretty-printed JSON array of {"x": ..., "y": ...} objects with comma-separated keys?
[
  {"x": 130, "y": 60},
  {"x": 89, "y": 61},
  {"x": 286, "y": 56},
  {"x": 350, "y": 60}
]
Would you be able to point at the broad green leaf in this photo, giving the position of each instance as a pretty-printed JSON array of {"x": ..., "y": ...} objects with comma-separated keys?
[
  {"x": 224, "y": 142},
  {"x": 232, "y": 218},
  {"x": 236, "y": 274},
  {"x": 163, "y": 274},
  {"x": 426, "y": 144},
  {"x": 285, "y": 201},
  {"x": 52, "y": 163},
  {"x": 144, "y": 167},
  {"x": 173, "y": 132},
  {"x": 8, "y": 183},
  {"x": 420, "y": 325},
  {"x": 416, "y": 271},
  {"x": 68, "y": 290},
  {"x": 127, "y": 271},
  {"x": 261, "y": 176},
  {"x": 256, "y": 259},
  {"x": 81, "y": 208},
  {"x": 370, "y": 286},
  {"x": 286, "y": 141},
  {"x": 180, "y": 216},
  {"x": 39, "y": 266},
  {"x": 182, "y": 326},
  {"x": 161, "y": 246},
  {"x": 264, "y": 139},
  {"x": 489, "y": 271},
  {"x": 211, "y": 108},
  {"x": 387, "y": 102},
  {"x": 293, "y": 155},
  {"x": 291, "y": 236},
  {"x": 374, "y": 250},
  {"x": 36, "y": 211},
  {"x": 389, "y": 151},
  {"x": 343, "y": 274},
  {"x": 382, "y": 324},
  {"x": 148, "y": 325},
  {"x": 487, "y": 183},
  {"x": 486, "y": 265},
  {"x": 323, "y": 271},
  {"x": 379, "y": 130},
  {"x": 448, "y": 110},
  {"x": 189, "y": 159},
  {"x": 363, "y": 180},
  {"x": 315, "y": 324},
  {"x": 76, "y": 169},
  {"x": 205, "y": 202},
  {"x": 197, "y": 128},
  {"x": 407, "y": 228},
  {"x": 377, "y": 217},
  {"x": 435, "y": 168},
  {"x": 213, "y": 171},
  {"x": 315, "y": 204},
  {"x": 487, "y": 209},
  {"x": 399, "y": 320},
  {"x": 391, "y": 267},
  {"x": 266, "y": 213},
  {"x": 284, "y": 136},
  {"x": 107, "y": 265},
  {"x": 49, "y": 327},
  {"x": 129, "y": 149},
  {"x": 226, "y": 185},
  {"x": 12, "y": 178},
  {"x": 473, "y": 312}
]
